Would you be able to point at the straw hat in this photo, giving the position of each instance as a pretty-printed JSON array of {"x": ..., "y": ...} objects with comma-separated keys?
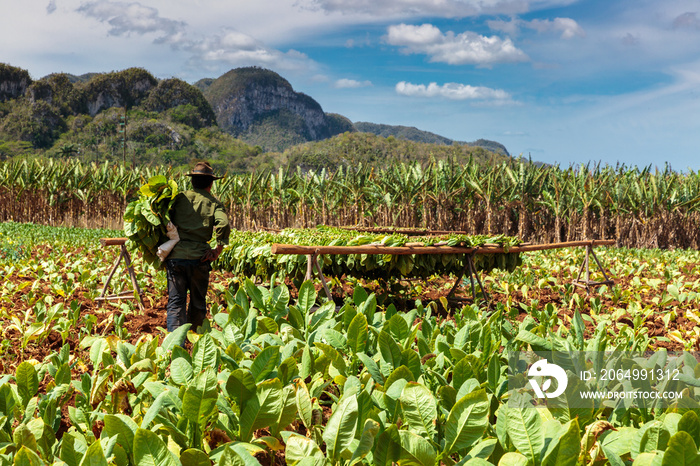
[{"x": 203, "y": 169}]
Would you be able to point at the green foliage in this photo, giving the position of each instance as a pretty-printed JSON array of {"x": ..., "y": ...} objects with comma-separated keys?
[
  {"x": 277, "y": 130},
  {"x": 146, "y": 218},
  {"x": 359, "y": 383},
  {"x": 401, "y": 132},
  {"x": 121, "y": 88},
  {"x": 249, "y": 253},
  {"x": 16, "y": 80},
  {"x": 38, "y": 123},
  {"x": 188, "y": 104},
  {"x": 352, "y": 149}
]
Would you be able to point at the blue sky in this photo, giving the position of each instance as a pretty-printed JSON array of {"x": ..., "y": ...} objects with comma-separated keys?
[{"x": 562, "y": 81}]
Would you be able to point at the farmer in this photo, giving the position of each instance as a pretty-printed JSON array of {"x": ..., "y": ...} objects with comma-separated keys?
[{"x": 198, "y": 216}]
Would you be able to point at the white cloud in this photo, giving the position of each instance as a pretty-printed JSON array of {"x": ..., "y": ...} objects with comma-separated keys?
[
  {"x": 512, "y": 27},
  {"x": 351, "y": 84},
  {"x": 568, "y": 27},
  {"x": 461, "y": 49},
  {"x": 432, "y": 8},
  {"x": 127, "y": 18},
  {"x": 452, "y": 91},
  {"x": 209, "y": 49},
  {"x": 51, "y": 7},
  {"x": 233, "y": 48}
]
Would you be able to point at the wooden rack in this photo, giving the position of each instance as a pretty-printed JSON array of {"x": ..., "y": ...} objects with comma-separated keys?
[
  {"x": 417, "y": 248},
  {"x": 134, "y": 293}
]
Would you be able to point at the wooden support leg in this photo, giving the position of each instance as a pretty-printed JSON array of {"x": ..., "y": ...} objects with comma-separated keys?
[
  {"x": 459, "y": 280},
  {"x": 132, "y": 274},
  {"x": 309, "y": 267},
  {"x": 602, "y": 269},
  {"x": 109, "y": 277},
  {"x": 472, "y": 270},
  {"x": 320, "y": 275}
]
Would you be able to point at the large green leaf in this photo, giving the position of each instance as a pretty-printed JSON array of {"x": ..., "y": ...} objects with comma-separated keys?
[
  {"x": 390, "y": 350},
  {"x": 94, "y": 456},
  {"x": 357, "y": 333},
  {"x": 340, "y": 429},
  {"x": 514, "y": 459},
  {"x": 254, "y": 294},
  {"x": 411, "y": 359},
  {"x": 150, "y": 450},
  {"x": 304, "y": 404},
  {"x": 335, "y": 357},
  {"x": 525, "y": 431},
  {"x": 419, "y": 409},
  {"x": 372, "y": 368},
  {"x": 26, "y": 457},
  {"x": 194, "y": 457},
  {"x": 199, "y": 401},
  {"x": 466, "y": 422},
  {"x": 415, "y": 450},
  {"x": 263, "y": 409},
  {"x": 652, "y": 436},
  {"x": 690, "y": 423},
  {"x": 265, "y": 362},
  {"x": 123, "y": 427},
  {"x": 369, "y": 432},
  {"x": 564, "y": 451},
  {"x": 288, "y": 413},
  {"x": 654, "y": 458},
  {"x": 307, "y": 296},
  {"x": 73, "y": 448},
  {"x": 401, "y": 372},
  {"x": 181, "y": 372},
  {"x": 27, "y": 381},
  {"x": 23, "y": 436},
  {"x": 241, "y": 387},
  {"x": 398, "y": 327},
  {"x": 681, "y": 451},
  {"x": 175, "y": 337},
  {"x": 236, "y": 455},
  {"x": 205, "y": 354},
  {"x": 388, "y": 448},
  {"x": 299, "y": 448}
]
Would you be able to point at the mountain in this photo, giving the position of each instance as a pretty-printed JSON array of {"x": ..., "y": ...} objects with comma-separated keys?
[
  {"x": 352, "y": 149},
  {"x": 261, "y": 108},
  {"x": 247, "y": 119},
  {"x": 410, "y": 133},
  {"x": 166, "y": 121}
]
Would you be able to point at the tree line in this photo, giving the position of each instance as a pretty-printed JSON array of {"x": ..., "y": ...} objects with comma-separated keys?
[{"x": 640, "y": 207}]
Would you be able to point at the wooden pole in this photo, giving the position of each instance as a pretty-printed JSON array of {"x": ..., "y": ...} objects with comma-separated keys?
[{"x": 112, "y": 241}]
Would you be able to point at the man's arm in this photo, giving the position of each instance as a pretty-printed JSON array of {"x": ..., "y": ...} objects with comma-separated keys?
[
  {"x": 222, "y": 227},
  {"x": 222, "y": 231}
]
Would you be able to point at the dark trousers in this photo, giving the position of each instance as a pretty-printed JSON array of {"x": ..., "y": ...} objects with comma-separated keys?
[{"x": 187, "y": 275}]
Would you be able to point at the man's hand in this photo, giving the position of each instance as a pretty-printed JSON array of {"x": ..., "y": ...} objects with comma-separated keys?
[{"x": 212, "y": 254}]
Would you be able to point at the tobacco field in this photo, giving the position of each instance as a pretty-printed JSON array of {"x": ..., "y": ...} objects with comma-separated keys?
[{"x": 388, "y": 372}]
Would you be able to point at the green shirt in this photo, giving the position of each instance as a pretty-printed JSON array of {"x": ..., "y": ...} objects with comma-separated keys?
[{"x": 198, "y": 216}]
